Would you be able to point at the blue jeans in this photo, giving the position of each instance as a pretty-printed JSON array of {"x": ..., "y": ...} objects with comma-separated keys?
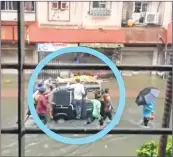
[{"x": 78, "y": 107}]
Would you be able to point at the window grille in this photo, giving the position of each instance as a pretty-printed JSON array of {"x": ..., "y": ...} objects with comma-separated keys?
[{"x": 12, "y": 6}]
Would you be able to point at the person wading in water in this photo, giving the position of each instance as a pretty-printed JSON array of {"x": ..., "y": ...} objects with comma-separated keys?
[
  {"x": 28, "y": 113},
  {"x": 42, "y": 106},
  {"x": 93, "y": 111},
  {"x": 49, "y": 96},
  {"x": 79, "y": 91},
  {"x": 107, "y": 107}
]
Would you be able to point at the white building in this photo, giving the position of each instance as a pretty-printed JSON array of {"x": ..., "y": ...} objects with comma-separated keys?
[
  {"x": 100, "y": 16},
  {"x": 86, "y": 14}
]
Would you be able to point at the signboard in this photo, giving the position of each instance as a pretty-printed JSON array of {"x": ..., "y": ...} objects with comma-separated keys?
[
  {"x": 102, "y": 45},
  {"x": 50, "y": 47}
]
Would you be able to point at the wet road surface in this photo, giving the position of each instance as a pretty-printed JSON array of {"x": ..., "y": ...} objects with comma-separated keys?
[{"x": 110, "y": 145}]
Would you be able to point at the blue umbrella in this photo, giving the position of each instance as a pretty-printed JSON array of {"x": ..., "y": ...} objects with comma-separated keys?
[{"x": 147, "y": 95}]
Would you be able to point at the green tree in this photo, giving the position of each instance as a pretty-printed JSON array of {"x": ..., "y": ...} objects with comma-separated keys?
[{"x": 150, "y": 149}]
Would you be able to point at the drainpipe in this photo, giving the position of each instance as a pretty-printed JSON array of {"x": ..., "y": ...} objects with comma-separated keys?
[
  {"x": 166, "y": 50},
  {"x": 165, "y": 54},
  {"x": 165, "y": 58}
]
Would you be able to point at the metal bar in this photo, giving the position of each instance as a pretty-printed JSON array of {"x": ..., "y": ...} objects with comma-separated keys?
[
  {"x": 21, "y": 51},
  {"x": 15, "y": 48},
  {"x": 91, "y": 67},
  {"x": 164, "y": 131},
  {"x": 167, "y": 105},
  {"x": 0, "y": 80}
]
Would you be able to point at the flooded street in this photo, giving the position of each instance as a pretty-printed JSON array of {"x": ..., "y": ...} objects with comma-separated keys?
[{"x": 110, "y": 145}]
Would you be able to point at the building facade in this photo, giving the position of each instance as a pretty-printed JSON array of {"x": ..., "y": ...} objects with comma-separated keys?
[{"x": 100, "y": 25}]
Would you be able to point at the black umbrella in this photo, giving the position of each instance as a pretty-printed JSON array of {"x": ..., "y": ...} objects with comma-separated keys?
[{"x": 147, "y": 95}]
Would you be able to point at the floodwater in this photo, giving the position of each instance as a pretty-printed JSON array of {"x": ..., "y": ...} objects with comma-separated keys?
[{"x": 110, "y": 145}]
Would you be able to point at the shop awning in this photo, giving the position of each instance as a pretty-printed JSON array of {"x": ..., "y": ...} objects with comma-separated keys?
[
  {"x": 136, "y": 35},
  {"x": 102, "y": 38},
  {"x": 9, "y": 33}
]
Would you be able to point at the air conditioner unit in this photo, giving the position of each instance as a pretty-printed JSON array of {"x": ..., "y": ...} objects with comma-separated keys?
[{"x": 152, "y": 18}]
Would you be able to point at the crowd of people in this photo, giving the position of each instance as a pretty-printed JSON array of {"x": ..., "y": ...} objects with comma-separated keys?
[
  {"x": 100, "y": 107},
  {"x": 42, "y": 101}
]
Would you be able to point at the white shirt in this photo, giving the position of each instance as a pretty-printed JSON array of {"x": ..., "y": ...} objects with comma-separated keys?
[
  {"x": 78, "y": 90},
  {"x": 35, "y": 94},
  {"x": 46, "y": 84}
]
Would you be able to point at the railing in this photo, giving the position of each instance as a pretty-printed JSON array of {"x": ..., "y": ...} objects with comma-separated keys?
[{"x": 21, "y": 131}]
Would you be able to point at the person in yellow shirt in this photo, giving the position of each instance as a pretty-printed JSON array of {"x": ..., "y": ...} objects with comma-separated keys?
[{"x": 131, "y": 22}]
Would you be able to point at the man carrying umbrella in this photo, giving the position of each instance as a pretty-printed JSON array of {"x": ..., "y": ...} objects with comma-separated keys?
[
  {"x": 147, "y": 98},
  {"x": 148, "y": 113}
]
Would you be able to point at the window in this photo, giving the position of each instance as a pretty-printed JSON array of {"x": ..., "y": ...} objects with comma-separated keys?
[
  {"x": 140, "y": 7},
  {"x": 100, "y": 5},
  {"x": 59, "y": 5},
  {"x": 12, "y": 5},
  {"x": 55, "y": 5},
  {"x": 29, "y": 6},
  {"x": 100, "y": 8}
]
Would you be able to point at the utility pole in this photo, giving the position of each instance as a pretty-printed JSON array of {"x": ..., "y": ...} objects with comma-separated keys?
[{"x": 0, "y": 79}]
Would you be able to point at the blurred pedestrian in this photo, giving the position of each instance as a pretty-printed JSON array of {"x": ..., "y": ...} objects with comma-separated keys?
[
  {"x": 107, "y": 107},
  {"x": 36, "y": 92},
  {"x": 42, "y": 105},
  {"x": 93, "y": 112},
  {"x": 146, "y": 98},
  {"x": 148, "y": 113},
  {"x": 49, "y": 95},
  {"x": 38, "y": 85}
]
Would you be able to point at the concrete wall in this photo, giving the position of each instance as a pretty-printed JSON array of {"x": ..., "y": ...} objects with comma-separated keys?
[
  {"x": 9, "y": 55},
  {"x": 9, "y": 11},
  {"x": 12, "y": 16},
  {"x": 78, "y": 16},
  {"x": 167, "y": 14}
]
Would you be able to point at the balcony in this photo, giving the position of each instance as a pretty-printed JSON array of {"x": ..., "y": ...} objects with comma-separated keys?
[
  {"x": 9, "y": 11},
  {"x": 142, "y": 14}
]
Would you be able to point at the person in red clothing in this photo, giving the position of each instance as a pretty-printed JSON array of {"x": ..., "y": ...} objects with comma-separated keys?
[
  {"x": 42, "y": 105},
  {"x": 49, "y": 96}
]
